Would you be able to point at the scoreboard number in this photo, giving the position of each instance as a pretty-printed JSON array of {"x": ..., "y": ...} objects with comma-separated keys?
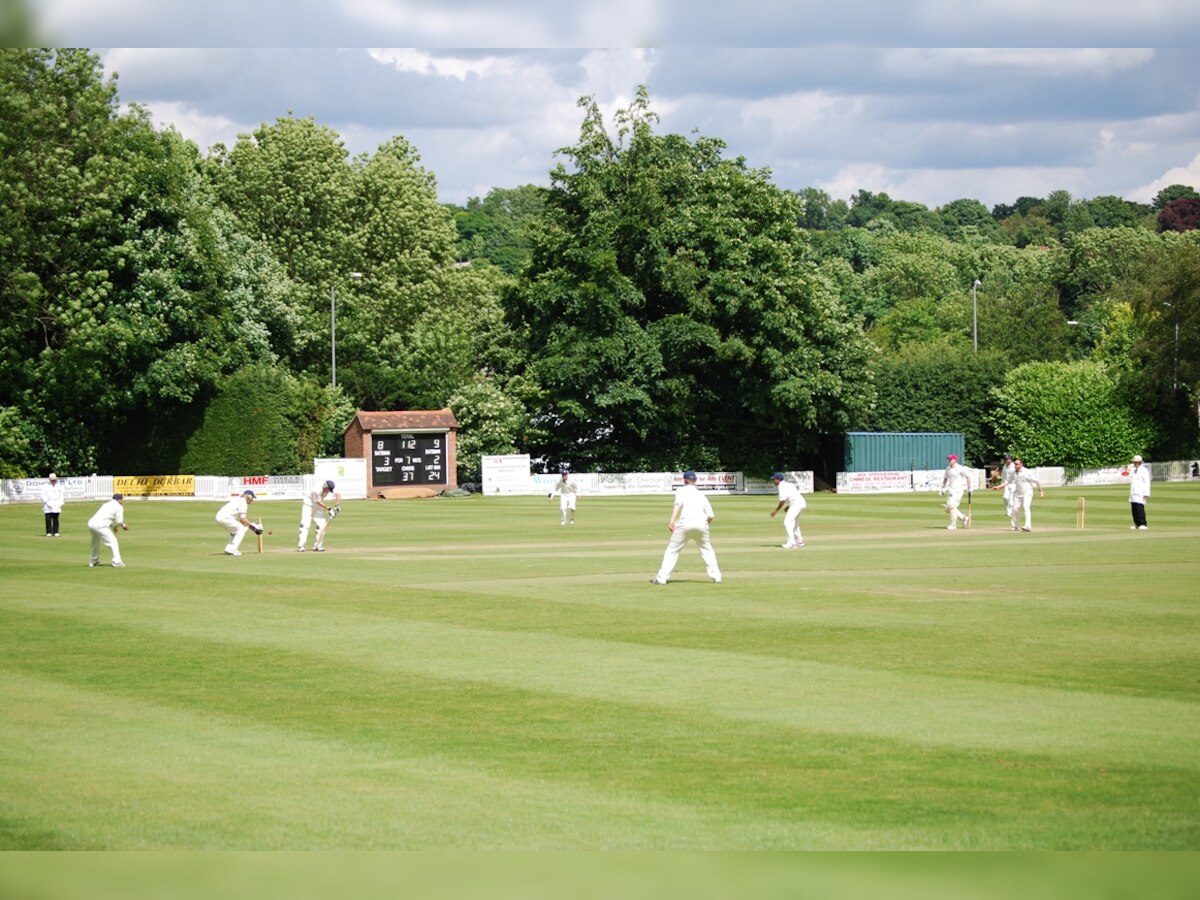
[{"x": 409, "y": 459}]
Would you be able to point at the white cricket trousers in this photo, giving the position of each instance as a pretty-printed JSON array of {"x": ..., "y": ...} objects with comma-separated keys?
[
  {"x": 566, "y": 504},
  {"x": 791, "y": 524},
  {"x": 306, "y": 520},
  {"x": 236, "y": 530},
  {"x": 1022, "y": 503},
  {"x": 680, "y": 536},
  {"x": 106, "y": 537}
]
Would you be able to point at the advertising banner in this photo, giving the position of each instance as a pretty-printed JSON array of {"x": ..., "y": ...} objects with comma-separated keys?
[
  {"x": 506, "y": 474},
  {"x": 155, "y": 485}
]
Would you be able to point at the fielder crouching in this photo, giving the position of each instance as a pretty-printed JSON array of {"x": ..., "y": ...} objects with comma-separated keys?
[{"x": 233, "y": 516}]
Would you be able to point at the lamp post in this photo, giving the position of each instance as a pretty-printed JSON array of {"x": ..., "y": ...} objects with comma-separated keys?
[
  {"x": 1175, "y": 368},
  {"x": 975, "y": 314},
  {"x": 333, "y": 329}
]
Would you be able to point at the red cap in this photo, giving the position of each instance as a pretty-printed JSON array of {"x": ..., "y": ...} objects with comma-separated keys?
[{"x": 953, "y": 457}]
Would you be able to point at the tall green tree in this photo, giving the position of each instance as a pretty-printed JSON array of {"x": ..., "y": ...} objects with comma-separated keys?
[
  {"x": 497, "y": 229},
  {"x": 670, "y": 314},
  {"x": 116, "y": 323},
  {"x": 1164, "y": 293},
  {"x": 1066, "y": 414},
  {"x": 934, "y": 387}
]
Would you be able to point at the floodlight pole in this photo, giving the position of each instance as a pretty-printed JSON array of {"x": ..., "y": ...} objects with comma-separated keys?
[{"x": 333, "y": 329}]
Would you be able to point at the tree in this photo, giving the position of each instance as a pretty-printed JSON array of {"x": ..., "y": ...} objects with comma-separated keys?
[
  {"x": 289, "y": 186},
  {"x": 1173, "y": 192},
  {"x": 1182, "y": 214},
  {"x": 490, "y": 422},
  {"x": 932, "y": 387},
  {"x": 1164, "y": 292},
  {"x": 1109, "y": 211},
  {"x": 1065, "y": 414},
  {"x": 246, "y": 429},
  {"x": 116, "y": 325},
  {"x": 669, "y": 314},
  {"x": 1100, "y": 257},
  {"x": 965, "y": 213},
  {"x": 915, "y": 290},
  {"x": 497, "y": 228}
]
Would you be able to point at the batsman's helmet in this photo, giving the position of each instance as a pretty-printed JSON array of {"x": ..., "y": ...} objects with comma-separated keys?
[{"x": 329, "y": 485}]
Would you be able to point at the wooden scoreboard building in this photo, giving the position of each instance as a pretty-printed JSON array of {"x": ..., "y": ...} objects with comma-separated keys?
[{"x": 408, "y": 454}]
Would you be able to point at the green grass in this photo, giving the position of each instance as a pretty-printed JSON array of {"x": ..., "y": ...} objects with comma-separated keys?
[{"x": 465, "y": 674}]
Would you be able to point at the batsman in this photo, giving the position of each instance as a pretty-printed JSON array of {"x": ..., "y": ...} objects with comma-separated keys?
[
  {"x": 955, "y": 483},
  {"x": 320, "y": 505}
]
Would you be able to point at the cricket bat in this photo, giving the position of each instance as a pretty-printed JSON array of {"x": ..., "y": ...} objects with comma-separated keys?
[{"x": 259, "y": 535}]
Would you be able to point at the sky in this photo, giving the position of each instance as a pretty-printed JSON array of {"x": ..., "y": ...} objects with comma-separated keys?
[{"x": 487, "y": 90}]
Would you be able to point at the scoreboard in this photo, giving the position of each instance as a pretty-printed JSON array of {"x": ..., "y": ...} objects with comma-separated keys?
[{"x": 409, "y": 458}]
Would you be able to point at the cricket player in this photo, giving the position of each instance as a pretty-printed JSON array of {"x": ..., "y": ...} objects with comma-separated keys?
[
  {"x": 1023, "y": 484},
  {"x": 320, "y": 505},
  {"x": 233, "y": 516},
  {"x": 690, "y": 517},
  {"x": 793, "y": 501},
  {"x": 955, "y": 483},
  {"x": 1007, "y": 486},
  {"x": 567, "y": 491},
  {"x": 102, "y": 524}
]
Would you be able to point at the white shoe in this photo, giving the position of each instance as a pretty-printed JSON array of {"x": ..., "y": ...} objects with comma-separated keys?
[
  {"x": 229, "y": 552},
  {"x": 966, "y": 521},
  {"x": 299, "y": 549},
  {"x": 118, "y": 565},
  {"x": 1143, "y": 527},
  {"x": 656, "y": 581},
  {"x": 93, "y": 565},
  {"x": 952, "y": 528},
  {"x": 716, "y": 581},
  {"x": 1026, "y": 528},
  {"x": 787, "y": 546}
]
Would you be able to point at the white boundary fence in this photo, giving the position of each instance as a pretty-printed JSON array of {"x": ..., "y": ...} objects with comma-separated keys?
[
  {"x": 920, "y": 480},
  {"x": 350, "y": 475},
  {"x": 511, "y": 475}
]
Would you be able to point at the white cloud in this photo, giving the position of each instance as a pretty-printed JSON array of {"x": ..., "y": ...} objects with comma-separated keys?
[
  {"x": 425, "y": 63},
  {"x": 1047, "y": 62},
  {"x": 1188, "y": 174},
  {"x": 202, "y": 129},
  {"x": 584, "y": 23},
  {"x": 798, "y": 111}
]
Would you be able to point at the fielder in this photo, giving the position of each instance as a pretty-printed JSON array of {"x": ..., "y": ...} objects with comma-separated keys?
[
  {"x": 1007, "y": 485},
  {"x": 320, "y": 505},
  {"x": 567, "y": 491},
  {"x": 233, "y": 517},
  {"x": 690, "y": 517},
  {"x": 955, "y": 483},
  {"x": 101, "y": 525},
  {"x": 791, "y": 499},
  {"x": 1023, "y": 485}
]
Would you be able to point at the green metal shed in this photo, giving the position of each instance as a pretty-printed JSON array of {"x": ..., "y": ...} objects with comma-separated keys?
[{"x": 868, "y": 451}]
